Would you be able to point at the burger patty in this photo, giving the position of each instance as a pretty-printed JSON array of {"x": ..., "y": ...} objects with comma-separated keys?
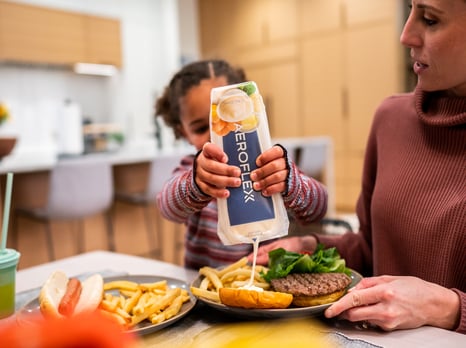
[{"x": 311, "y": 284}]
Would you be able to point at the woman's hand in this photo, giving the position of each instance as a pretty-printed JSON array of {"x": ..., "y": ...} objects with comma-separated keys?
[
  {"x": 213, "y": 174},
  {"x": 398, "y": 303},
  {"x": 296, "y": 244},
  {"x": 271, "y": 174}
]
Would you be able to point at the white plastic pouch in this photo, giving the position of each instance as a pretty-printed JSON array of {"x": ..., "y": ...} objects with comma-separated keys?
[{"x": 238, "y": 125}]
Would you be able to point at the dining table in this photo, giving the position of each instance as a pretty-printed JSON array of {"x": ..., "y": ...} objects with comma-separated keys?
[{"x": 202, "y": 319}]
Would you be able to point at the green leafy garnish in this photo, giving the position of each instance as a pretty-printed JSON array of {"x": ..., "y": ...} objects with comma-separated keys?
[
  {"x": 282, "y": 262},
  {"x": 248, "y": 88}
]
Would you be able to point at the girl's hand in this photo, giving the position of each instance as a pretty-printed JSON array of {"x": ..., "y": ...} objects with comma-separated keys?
[
  {"x": 213, "y": 174},
  {"x": 398, "y": 303},
  {"x": 271, "y": 174}
]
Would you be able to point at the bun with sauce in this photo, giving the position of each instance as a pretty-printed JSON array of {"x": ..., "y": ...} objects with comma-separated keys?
[
  {"x": 244, "y": 298},
  {"x": 61, "y": 296}
]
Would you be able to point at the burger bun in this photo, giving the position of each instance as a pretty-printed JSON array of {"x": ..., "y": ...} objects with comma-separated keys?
[
  {"x": 308, "y": 301},
  {"x": 245, "y": 298}
]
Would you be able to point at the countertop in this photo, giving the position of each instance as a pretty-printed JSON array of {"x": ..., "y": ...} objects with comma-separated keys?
[{"x": 34, "y": 162}]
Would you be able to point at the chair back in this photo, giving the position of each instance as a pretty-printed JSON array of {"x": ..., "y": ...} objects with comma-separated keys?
[
  {"x": 314, "y": 154},
  {"x": 316, "y": 159},
  {"x": 161, "y": 170},
  {"x": 80, "y": 187}
]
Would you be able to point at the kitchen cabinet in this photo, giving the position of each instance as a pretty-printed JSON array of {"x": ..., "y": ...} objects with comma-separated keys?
[
  {"x": 278, "y": 85},
  {"x": 39, "y": 35},
  {"x": 322, "y": 67},
  {"x": 230, "y": 27},
  {"x": 33, "y": 34},
  {"x": 102, "y": 37},
  {"x": 351, "y": 67}
]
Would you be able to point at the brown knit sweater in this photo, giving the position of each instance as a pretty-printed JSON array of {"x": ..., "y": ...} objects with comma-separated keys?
[{"x": 412, "y": 208}]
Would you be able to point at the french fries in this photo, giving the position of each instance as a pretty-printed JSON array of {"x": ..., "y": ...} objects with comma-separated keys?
[
  {"x": 130, "y": 303},
  {"x": 235, "y": 275}
]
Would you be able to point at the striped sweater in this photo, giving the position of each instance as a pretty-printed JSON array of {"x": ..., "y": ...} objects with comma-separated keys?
[{"x": 181, "y": 201}]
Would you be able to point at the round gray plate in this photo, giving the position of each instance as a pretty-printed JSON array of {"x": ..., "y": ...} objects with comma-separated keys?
[
  {"x": 28, "y": 313},
  {"x": 291, "y": 312}
]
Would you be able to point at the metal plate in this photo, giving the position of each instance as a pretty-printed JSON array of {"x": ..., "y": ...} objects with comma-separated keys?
[
  {"x": 28, "y": 314},
  {"x": 291, "y": 312}
]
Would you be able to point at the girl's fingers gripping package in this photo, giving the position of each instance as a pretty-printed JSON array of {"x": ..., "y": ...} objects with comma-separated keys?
[{"x": 238, "y": 125}]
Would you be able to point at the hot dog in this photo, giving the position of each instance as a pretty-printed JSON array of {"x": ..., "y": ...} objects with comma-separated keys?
[
  {"x": 71, "y": 297},
  {"x": 63, "y": 297}
]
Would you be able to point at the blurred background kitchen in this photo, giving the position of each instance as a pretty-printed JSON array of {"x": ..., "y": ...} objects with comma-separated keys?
[{"x": 322, "y": 67}]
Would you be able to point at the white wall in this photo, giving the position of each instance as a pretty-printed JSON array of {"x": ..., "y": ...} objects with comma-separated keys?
[
  {"x": 188, "y": 30},
  {"x": 151, "y": 54}
]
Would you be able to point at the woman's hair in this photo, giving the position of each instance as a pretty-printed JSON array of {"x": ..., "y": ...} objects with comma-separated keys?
[{"x": 168, "y": 105}]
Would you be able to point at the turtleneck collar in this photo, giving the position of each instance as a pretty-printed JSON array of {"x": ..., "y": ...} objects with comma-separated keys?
[{"x": 439, "y": 109}]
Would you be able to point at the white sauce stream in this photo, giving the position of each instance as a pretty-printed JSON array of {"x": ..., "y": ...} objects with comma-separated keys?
[{"x": 250, "y": 285}]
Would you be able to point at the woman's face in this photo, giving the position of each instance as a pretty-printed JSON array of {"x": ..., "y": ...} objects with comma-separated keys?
[
  {"x": 195, "y": 110},
  {"x": 436, "y": 34}
]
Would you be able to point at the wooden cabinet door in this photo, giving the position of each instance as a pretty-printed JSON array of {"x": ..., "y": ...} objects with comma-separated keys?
[
  {"x": 230, "y": 26},
  {"x": 373, "y": 62},
  {"x": 318, "y": 16},
  {"x": 322, "y": 90},
  {"x": 278, "y": 85},
  {"x": 40, "y": 35},
  {"x": 103, "y": 40},
  {"x": 33, "y": 34},
  {"x": 281, "y": 22},
  {"x": 337, "y": 59},
  {"x": 370, "y": 65}
]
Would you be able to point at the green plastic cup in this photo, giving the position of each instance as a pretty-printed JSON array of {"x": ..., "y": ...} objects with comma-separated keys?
[{"x": 8, "y": 262}]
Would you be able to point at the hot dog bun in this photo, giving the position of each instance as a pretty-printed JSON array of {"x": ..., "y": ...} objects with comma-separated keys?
[
  {"x": 55, "y": 288},
  {"x": 51, "y": 294},
  {"x": 91, "y": 295},
  {"x": 245, "y": 298}
]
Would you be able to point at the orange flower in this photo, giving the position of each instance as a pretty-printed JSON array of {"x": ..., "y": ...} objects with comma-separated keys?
[{"x": 4, "y": 113}]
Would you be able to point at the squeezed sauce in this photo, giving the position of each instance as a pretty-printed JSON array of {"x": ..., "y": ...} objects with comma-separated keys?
[{"x": 250, "y": 285}]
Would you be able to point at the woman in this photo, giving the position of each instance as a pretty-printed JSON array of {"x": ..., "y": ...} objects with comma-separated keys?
[
  {"x": 412, "y": 208},
  {"x": 190, "y": 196}
]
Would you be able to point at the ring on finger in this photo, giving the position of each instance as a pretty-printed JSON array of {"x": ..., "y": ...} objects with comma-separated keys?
[{"x": 356, "y": 299}]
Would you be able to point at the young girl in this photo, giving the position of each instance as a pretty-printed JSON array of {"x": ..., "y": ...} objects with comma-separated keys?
[{"x": 190, "y": 196}]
